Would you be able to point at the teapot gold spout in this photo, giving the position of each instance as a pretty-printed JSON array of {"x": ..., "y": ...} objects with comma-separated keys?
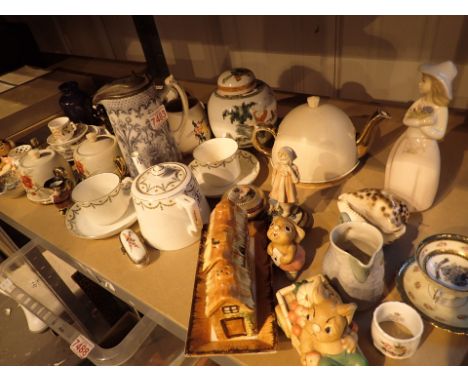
[{"x": 364, "y": 139}]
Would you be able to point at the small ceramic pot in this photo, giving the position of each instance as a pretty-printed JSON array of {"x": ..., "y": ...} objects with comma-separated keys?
[
  {"x": 218, "y": 161},
  {"x": 239, "y": 103},
  {"x": 170, "y": 207},
  {"x": 407, "y": 329},
  {"x": 36, "y": 168},
  {"x": 98, "y": 154},
  {"x": 103, "y": 197}
]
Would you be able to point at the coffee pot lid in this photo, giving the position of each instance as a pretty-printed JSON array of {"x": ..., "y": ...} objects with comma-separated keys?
[
  {"x": 95, "y": 144},
  {"x": 123, "y": 87},
  {"x": 161, "y": 181},
  {"x": 236, "y": 81}
]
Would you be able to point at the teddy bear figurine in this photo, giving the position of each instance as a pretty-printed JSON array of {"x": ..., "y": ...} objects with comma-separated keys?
[
  {"x": 284, "y": 248},
  {"x": 319, "y": 324}
]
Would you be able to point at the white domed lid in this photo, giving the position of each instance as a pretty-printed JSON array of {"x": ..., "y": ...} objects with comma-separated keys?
[
  {"x": 161, "y": 181},
  {"x": 95, "y": 144},
  {"x": 236, "y": 81},
  {"x": 323, "y": 138}
]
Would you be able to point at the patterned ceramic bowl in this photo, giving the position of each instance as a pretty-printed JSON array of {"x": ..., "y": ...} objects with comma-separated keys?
[{"x": 443, "y": 258}]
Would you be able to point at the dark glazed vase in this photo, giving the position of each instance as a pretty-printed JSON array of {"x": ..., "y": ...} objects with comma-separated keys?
[{"x": 77, "y": 105}]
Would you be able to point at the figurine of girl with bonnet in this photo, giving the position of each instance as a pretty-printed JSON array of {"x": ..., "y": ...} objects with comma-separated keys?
[
  {"x": 413, "y": 166},
  {"x": 284, "y": 178}
]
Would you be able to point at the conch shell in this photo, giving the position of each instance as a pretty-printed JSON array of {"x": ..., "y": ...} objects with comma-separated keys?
[{"x": 377, "y": 207}]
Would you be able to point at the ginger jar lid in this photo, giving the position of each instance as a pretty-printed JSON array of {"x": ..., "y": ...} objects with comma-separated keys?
[
  {"x": 95, "y": 144},
  {"x": 161, "y": 181},
  {"x": 236, "y": 81}
]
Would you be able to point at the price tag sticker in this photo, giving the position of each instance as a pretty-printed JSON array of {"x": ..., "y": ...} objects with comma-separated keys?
[
  {"x": 81, "y": 346},
  {"x": 7, "y": 286},
  {"x": 158, "y": 117}
]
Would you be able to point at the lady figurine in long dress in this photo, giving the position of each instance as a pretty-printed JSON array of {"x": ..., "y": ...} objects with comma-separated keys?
[
  {"x": 285, "y": 176},
  {"x": 413, "y": 167}
]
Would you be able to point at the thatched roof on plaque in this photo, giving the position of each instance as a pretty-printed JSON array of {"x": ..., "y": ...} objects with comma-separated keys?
[{"x": 226, "y": 261}]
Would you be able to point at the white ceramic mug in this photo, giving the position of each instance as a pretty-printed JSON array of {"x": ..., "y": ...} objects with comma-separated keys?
[
  {"x": 103, "y": 197},
  {"x": 398, "y": 313},
  {"x": 217, "y": 161},
  {"x": 61, "y": 128}
]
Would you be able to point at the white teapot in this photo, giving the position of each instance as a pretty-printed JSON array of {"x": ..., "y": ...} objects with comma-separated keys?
[
  {"x": 240, "y": 102},
  {"x": 323, "y": 139},
  {"x": 170, "y": 208},
  {"x": 98, "y": 154}
]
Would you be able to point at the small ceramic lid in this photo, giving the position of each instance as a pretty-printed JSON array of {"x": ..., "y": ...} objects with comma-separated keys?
[
  {"x": 95, "y": 144},
  {"x": 236, "y": 81},
  {"x": 123, "y": 87},
  {"x": 249, "y": 198},
  {"x": 36, "y": 157},
  {"x": 161, "y": 181}
]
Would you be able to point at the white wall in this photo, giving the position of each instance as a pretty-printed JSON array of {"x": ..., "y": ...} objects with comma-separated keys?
[{"x": 353, "y": 57}]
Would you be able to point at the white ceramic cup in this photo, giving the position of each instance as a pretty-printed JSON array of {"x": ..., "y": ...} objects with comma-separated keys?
[
  {"x": 218, "y": 161},
  {"x": 103, "y": 198},
  {"x": 61, "y": 129},
  {"x": 403, "y": 314}
]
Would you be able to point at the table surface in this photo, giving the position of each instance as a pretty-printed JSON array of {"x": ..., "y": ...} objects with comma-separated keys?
[{"x": 163, "y": 289}]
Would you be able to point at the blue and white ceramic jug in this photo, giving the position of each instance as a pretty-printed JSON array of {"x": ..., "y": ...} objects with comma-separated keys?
[{"x": 139, "y": 120}]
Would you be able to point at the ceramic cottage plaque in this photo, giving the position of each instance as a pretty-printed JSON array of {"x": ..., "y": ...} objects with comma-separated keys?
[{"x": 232, "y": 305}]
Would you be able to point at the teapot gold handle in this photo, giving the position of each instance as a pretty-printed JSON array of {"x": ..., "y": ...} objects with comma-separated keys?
[
  {"x": 121, "y": 166},
  {"x": 256, "y": 143}
]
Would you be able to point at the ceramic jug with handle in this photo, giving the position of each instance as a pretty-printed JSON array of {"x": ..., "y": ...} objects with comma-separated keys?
[
  {"x": 139, "y": 120},
  {"x": 187, "y": 119},
  {"x": 170, "y": 208},
  {"x": 354, "y": 263}
]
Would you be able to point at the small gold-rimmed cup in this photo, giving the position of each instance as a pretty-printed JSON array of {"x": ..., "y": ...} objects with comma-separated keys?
[
  {"x": 102, "y": 196},
  {"x": 217, "y": 161}
]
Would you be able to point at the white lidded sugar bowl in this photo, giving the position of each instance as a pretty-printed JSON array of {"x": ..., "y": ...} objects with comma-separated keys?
[
  {"x": 98, "y": 154},
  {"x": 170, "y": 208},
  {"x": 240, "y": 102},
  {"x": 36, "y": 168}
]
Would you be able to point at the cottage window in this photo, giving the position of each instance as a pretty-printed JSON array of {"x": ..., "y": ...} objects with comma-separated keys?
[{"x": 231, "y": 309}]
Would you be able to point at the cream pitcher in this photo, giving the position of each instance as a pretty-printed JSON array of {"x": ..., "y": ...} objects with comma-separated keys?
[{"x": 354, "y": 262}]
